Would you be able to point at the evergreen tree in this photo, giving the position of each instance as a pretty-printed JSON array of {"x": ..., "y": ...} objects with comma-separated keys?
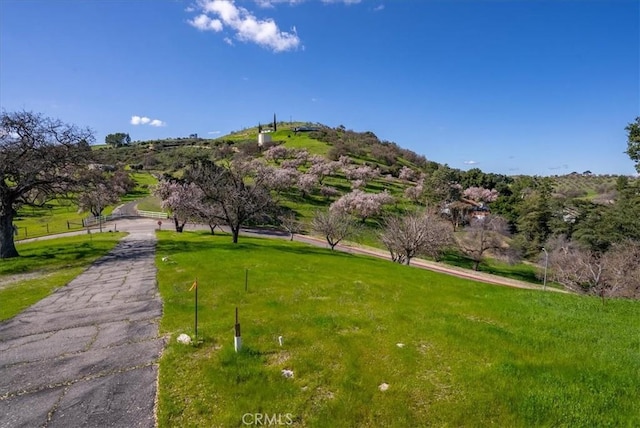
[
  {"x": 535, "y": 217},
  {"x": 633, "y": 142}
]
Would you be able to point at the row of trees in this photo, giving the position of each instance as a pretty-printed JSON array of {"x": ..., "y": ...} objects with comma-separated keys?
[{"x": 422, "y": 233}]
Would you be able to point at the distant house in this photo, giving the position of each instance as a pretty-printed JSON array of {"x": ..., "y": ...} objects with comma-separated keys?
[
  {"x": 305, "y": 129},
  {"x": 462, "y": 211},
  {"x": 476, "y": 209}
]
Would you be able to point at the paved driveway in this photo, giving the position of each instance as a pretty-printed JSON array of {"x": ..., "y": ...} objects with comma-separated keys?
[{"x": 87, "y": 355}]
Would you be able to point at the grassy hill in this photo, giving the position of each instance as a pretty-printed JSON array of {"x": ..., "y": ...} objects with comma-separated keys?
[{"x": 452, "y": 352}]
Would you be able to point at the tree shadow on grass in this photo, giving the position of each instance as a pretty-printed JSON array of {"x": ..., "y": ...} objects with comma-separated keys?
[
  {"x": 511, "y": 272},
  {"x": 53, "y": 257},
  {"x": 456, "y": 259},
  {"x": 168, "y": 247}
]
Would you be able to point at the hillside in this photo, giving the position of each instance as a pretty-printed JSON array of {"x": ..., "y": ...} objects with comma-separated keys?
[{"x": 334, "y": 162}]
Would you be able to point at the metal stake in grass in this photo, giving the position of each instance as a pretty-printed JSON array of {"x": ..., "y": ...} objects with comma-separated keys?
[
  {"x": 237, "y": 340},
  {"x": 195, "y": 286},
  {"x": 246, "y": 280}
]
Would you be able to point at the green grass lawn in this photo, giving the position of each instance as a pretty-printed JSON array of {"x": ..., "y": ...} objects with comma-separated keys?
[
  {"x": 150, "y": 203},
  {"x": 57, "y": 217},
  {"x": 473, "y": 354},
  {"x": 302, "y": 141},
  {"x": 52, "y": 264}
]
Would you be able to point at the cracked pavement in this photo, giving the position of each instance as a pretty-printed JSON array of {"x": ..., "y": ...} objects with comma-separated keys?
[{"x": 87, "y": 354}]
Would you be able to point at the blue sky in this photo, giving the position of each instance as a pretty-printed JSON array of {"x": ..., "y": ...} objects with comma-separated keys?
[{"x": 509, "y": 86}]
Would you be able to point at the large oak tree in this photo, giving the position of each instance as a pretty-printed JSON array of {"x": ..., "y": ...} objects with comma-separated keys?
[{"x": 39, "y": 160}]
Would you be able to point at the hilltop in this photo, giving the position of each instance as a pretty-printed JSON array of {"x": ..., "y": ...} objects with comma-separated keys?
[{"x": 362, "y": 147}]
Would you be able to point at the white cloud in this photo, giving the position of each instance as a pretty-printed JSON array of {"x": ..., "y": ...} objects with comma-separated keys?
[
  {"x": 471, "y": 162},
  {"x": 203, "y": 23},
  {"x": 271, "y": 3},
  {"x": 265, "y": 3},
  {"x": 144, "y": 120},
  {"x": 218, "y": 14},
  {"x": 213, "y": 132},
  {"x": 378, "y": 8},
  {"x": 137, "y": 120}
]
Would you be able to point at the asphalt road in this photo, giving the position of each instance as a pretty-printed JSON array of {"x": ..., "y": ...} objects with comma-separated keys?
[{"x": 86, "y": 356}]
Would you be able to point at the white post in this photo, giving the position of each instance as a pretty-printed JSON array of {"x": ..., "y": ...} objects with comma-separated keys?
[{"x": 237, "y": 340}]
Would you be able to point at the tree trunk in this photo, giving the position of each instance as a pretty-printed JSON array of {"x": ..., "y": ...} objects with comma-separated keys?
[
  {"x": 213, "y": 228},
  {"x": 179, "y": 227},
  {"x": 235, "y": 232},
  {"x": 7, "y": 245},
  {"x": 476, "y": 265}
]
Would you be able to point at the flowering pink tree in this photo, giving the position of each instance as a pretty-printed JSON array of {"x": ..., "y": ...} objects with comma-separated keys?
[
  {"x": 293, "y": 163},
  {"x": 276, "y": 153},
  {"x": 301, "y": 154},
  {"x": 480, "y": 194},
  {"x": 280, "y": 179},
  {"x": 364, "y": 173},
  {"x": 183, "y": 199},
  {"x": 362, "y": 204},
  {"x": 307, "y": 182},
  {"x": 408, "y": 174},
  {"x": 414, "y": 193},
  {"x": 321, "y": 168},
  {"x": 329, "y": 192},
  {"x": 358, "y": 184},
  {"x": 96, "y": 196},
  {"x": 101, "y": 188}
]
